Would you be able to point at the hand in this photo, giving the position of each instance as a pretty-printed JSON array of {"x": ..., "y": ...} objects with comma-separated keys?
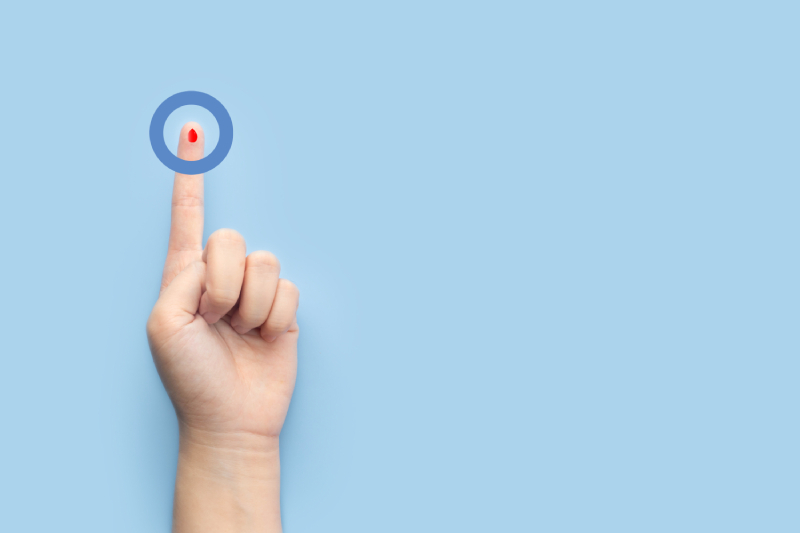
[{"x": 223, "y": 334}]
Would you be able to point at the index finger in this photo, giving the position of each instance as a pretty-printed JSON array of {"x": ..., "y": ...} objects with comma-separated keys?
[{"x": 186, "y": 228}]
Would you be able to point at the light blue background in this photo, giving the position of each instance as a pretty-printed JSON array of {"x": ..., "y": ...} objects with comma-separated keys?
[{"x": 548, "y": 255}]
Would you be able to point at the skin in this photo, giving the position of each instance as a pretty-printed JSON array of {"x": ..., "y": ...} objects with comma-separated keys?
[{"x": 223, "y": 335}]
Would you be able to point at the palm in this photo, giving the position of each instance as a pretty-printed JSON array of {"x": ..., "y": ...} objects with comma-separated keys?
[{"x": 224, "y": 381}]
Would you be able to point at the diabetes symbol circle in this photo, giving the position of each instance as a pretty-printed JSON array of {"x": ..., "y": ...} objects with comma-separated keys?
[{"x": 174, "y": 162}]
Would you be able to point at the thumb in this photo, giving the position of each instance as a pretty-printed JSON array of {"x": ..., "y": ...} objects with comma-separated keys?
[{"x": 181, "y": 298}]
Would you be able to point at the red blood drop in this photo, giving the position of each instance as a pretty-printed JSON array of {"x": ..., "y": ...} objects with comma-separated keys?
[{"x": 192, "y": 135}]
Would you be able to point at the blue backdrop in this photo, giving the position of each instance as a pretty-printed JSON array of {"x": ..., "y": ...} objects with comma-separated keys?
[{"x": 547, "y": 251}]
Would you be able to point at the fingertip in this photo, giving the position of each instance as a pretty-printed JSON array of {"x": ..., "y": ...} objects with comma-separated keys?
[
  {"x": 189, "y": 137},
  {"x": 211, "y": 318},
  {"x": 192, "y": 142},
  {"x": 236, "y": 324}
]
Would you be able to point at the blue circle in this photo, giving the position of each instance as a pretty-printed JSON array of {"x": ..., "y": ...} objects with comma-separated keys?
[{"x": 157, "y": 132}]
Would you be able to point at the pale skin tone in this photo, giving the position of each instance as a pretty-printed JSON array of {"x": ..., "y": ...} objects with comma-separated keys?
[{"x": 223, "y": 334}]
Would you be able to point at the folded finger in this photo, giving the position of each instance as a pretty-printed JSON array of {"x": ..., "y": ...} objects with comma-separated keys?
[
  {"x": 225, "y": 259},
  {"x": 258, "y": 291},
  {"x": 282, "y": 314}
]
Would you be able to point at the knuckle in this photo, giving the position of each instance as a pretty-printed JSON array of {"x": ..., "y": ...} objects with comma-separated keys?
[
  {"x": 249, "y": 315},
  {"x": 248, "y": 318},
  {"x": 263, "y": 259},
  {"x": 227, "y": 235},
  {"x": 289, "y": 288},
  {"x": 280, "y": 321},
  {"x": 278, "y": 326},
  {"x": 188, "y": 200},
  {"x": 222, "y": 297}
]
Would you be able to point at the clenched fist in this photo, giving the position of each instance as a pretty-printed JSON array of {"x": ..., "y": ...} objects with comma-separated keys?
[{"x": 223, "y": 334}]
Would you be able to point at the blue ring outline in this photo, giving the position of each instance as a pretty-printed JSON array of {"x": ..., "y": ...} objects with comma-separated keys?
[{"x": 174, "y": 162}]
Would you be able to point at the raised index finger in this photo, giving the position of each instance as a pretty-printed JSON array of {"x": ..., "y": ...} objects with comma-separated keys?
[{"x": 186, "y": 228}]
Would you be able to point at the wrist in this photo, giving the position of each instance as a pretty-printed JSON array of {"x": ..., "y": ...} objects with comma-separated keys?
[
  {"x": 193, "y": 439},
  {"x": 227, "y": 482}
]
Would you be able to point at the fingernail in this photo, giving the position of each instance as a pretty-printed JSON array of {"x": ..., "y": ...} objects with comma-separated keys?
[{"x": 270, "y": 339}]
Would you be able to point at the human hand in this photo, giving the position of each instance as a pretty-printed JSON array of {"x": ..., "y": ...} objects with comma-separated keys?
[{"x": 223, "y": 335}]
